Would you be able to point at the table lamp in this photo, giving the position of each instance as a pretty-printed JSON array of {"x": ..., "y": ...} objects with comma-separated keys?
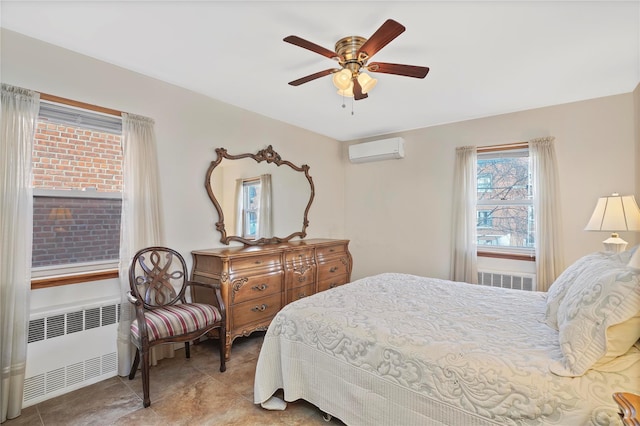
[{"x": 614, "y": 214}]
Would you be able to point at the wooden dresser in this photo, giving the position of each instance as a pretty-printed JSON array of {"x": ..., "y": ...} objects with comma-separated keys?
[{"x": 257, "y": 281}]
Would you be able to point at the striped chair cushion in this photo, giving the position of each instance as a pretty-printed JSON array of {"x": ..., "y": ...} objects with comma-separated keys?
[{"x": 174, "y": 320}]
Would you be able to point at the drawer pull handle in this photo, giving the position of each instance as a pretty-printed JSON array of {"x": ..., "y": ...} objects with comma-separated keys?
[
  {"x": 333, "y": 285},
  {"x": 335, "y": 268},
  {"x": 257, "y": 262},
  {"x": 261, "y": 287},
  {"x": 301, "y": 295},
  {"x": 302, "y": 279},
  {"x": 260, "y": 308},
  {"x": 331, "y": 250}
]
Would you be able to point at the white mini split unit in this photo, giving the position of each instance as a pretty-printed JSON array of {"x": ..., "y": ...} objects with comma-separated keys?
[{"x": 384, "y": 149}]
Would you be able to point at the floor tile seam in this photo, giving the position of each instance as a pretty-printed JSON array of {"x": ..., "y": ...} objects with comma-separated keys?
[{"x": 127, "y": 384}]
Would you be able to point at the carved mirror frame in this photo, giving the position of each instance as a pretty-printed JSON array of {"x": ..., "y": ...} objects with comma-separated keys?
[{"x": 270, "y": 156}]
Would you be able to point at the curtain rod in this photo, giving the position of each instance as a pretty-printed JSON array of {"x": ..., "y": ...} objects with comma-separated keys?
[
  {"x": 61, "y": 100},
  {"x": 503, "y": 147}
]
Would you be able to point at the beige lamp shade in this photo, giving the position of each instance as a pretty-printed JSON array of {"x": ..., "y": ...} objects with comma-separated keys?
[{"x": 614, "y": 214}]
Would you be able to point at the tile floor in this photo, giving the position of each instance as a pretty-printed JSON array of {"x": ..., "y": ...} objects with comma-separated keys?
[{"x": 183, "y": 392}]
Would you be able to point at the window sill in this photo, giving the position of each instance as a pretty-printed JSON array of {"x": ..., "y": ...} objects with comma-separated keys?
[
  {"x": 511, "y": 256},
  {"x": 47, "y": 282}
]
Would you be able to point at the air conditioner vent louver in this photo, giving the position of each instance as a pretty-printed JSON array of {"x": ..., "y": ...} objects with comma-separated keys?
[
  {"x": 108, "y": 315},
  {"x": 55, "y": 326},
  {"x": 516, "y": 281},
  {"x": 75, "y": 322},
  {"x": 92, "y": 318},
  {"x": 36, "y": 330}
]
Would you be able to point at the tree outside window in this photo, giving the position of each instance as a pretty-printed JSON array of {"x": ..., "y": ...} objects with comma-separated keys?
[{"x": 505, "y": 201}]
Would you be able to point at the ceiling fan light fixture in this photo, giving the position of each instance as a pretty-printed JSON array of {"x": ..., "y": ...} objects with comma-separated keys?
[
  {"x": 348, "y": 92},
  {"x": 366, "y": 82},
  {"x": 342, "y": 79}
]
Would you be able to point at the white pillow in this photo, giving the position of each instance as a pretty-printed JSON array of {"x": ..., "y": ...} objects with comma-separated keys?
[
  {"x": 621, "y": 351},
  {"x": 605, "y": 294},
  {"x": 558, "y": 289}
]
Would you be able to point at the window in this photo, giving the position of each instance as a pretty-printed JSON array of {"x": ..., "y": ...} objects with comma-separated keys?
[
  {"x": 250, "y": 207},
  {"x": 77, "y": 181},
  {"x": 505, "y": 202}
]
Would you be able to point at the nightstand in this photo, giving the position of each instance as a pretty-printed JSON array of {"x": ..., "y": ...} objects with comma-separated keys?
[{"x": 629, "y": 407}]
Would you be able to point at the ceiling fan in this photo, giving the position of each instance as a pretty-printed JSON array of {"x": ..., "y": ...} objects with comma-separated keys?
[{"x": 352, "y": 53}]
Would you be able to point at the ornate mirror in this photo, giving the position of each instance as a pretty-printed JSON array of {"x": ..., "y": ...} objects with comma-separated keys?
[{"x": 260, "y": 198}]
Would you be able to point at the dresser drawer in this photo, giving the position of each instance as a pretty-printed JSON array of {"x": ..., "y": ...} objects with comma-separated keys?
[
  {"x": 266, "y": 261},
  {"x": 332, "y": 282},
  {"x": 256, "y": 310},
  {"x": 299, "y": 292},
  {"x": 331, "y": 250},
  {"x": 255, "y": 286},
  {"x": 331, "y": 268}
]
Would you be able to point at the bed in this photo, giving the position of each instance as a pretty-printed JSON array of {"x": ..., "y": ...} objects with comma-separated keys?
[{"x": 399, "y": 349}]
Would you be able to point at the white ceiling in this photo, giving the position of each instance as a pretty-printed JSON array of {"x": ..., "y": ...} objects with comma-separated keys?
[{"x": 486, "y": 58}]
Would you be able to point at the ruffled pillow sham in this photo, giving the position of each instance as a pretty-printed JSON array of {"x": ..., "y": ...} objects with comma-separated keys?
[
  {"x": 559, "y": 287},
  {"x": 602, "y": 295}
]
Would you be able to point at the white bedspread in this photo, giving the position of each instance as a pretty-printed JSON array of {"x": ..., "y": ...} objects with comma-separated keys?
[{"x": 396, "y": 349}]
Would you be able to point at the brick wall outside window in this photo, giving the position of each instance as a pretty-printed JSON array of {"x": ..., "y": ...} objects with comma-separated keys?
[
  {"x": 68, "y": 230},
  {"x": 67, "y": 157}
]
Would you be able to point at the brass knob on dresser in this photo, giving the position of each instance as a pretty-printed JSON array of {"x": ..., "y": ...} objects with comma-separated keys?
[
  {"x": 335, "y": 268},
  {"x": 261, "y": 287},
  {"x": 260, "y": 308}
]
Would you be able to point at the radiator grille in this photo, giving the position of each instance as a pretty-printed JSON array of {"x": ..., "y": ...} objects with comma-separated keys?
[
  {"x": 507, "y": 280},
  {"x": 72, "y": 322},
  {"x": 70, "y": 348}
]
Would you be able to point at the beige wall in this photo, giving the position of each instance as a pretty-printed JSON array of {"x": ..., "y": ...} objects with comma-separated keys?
[
  {"x": 398, "y": 212},
  {"x": 188, "y": 128},
  {"x": 636, "y": 117}
]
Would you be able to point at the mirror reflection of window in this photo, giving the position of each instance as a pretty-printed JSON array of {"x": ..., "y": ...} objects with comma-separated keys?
[
  {"x": 254, "y": 215},
  {"x": 251, "y": 203}
]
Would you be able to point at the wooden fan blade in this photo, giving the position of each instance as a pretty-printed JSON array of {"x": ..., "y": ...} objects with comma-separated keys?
[
  {"x": 310, "y": 77},
  {"x": 357, "y": 90},
  {"x": 398, "y": 69},
  {"x": 383, "y": 36},
  {"x": 300, "y": 42}
]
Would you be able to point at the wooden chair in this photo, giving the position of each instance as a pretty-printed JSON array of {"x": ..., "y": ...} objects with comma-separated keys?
[{"x": 158, "y": 281}]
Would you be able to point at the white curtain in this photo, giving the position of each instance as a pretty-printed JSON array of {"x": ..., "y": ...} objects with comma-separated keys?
[
  {"x": 141, "y": 223},
  {"x": 546, "y": 200},
  {"x": 265, "y": 221},
  {"x": 19, "y": 114},
  {"x": 464, "y": 258},
  {"x": 239, "y": 200}
]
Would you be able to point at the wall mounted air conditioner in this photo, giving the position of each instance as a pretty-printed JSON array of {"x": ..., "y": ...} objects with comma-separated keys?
[{"x": 384, "y": 149}]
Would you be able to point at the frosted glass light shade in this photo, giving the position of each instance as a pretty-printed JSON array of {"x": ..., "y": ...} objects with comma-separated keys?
[
  {"x": 348, "y": 92},
  {"x": 366, "y": 82},
  {"x": 342, "y": 79}
]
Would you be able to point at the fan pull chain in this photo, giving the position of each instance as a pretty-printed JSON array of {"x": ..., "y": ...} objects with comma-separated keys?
[{"x": 344, "y": 105}]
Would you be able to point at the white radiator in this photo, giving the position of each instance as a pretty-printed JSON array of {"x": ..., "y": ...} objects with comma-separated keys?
[
  {"x": 70, "y": 347},
  {"x": 514, "y": 280}
]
